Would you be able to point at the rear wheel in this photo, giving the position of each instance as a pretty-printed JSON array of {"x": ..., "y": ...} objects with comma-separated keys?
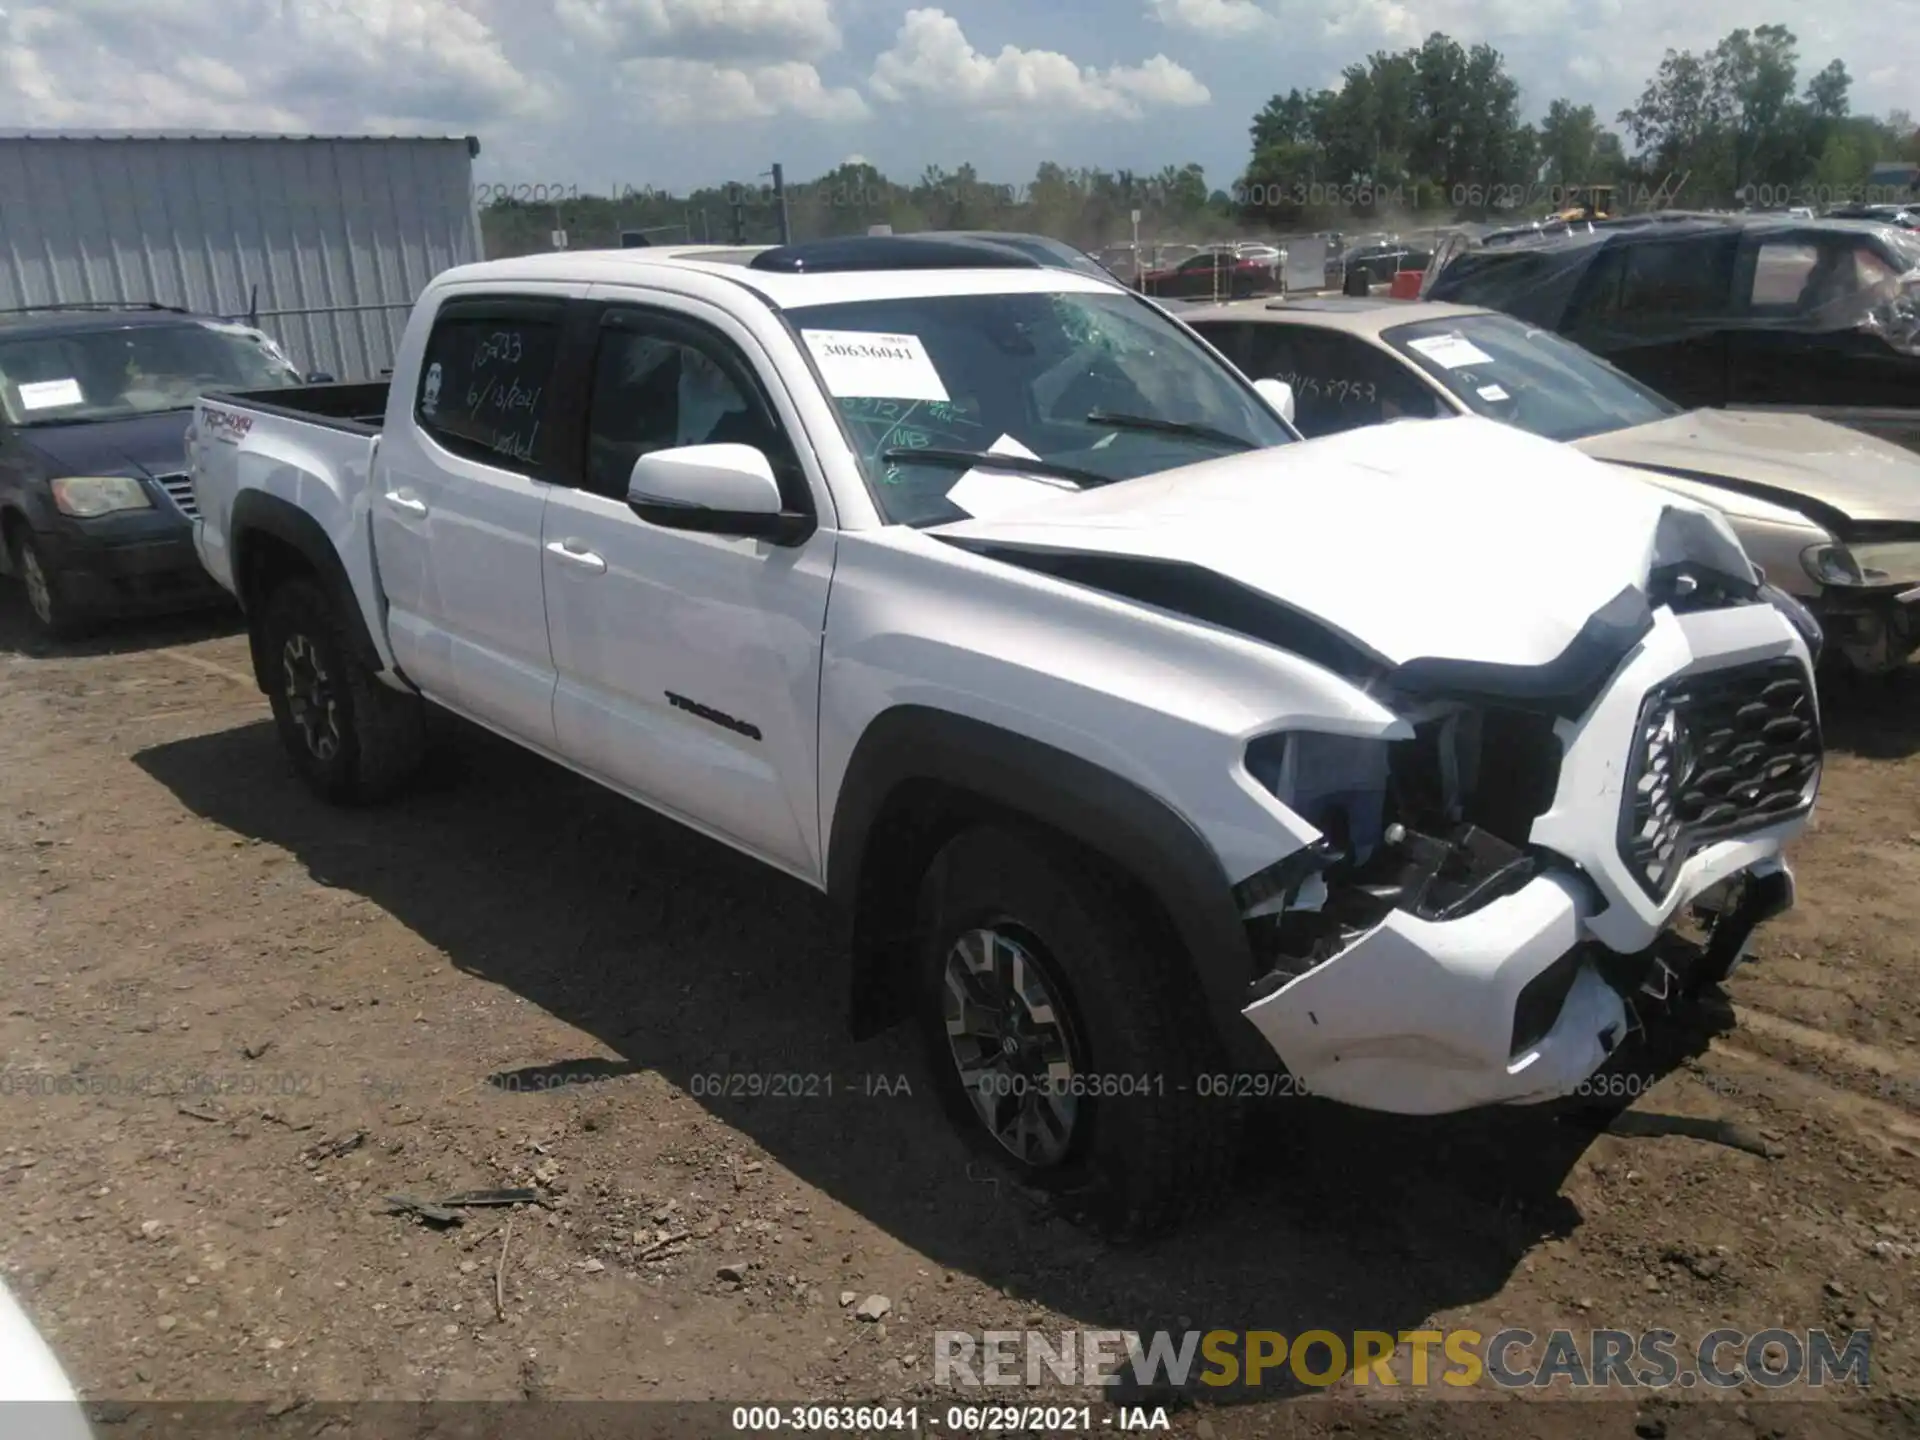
[
  {"x": 1064, "y": 1035},
  {"x": 353, "y": 739}
]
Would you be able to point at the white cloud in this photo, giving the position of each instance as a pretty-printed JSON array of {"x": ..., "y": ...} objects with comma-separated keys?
[
  {"x": 704, "y": 29},
  {"x": 675, "y": 91},
  {"x": 932, "y": 62},
  {"x": 345, "y": 65},
  {"x": 1211, "y": 17}
]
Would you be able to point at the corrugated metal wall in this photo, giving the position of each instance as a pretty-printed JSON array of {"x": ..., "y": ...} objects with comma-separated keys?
[{"x": 339, "y": 235}]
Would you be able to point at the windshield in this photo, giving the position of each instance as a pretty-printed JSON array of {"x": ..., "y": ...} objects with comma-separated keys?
[
  {"x": 1055, "y": 377},
  {"x": 74, "y": 376},
  {"x": 1905, "y": 246},
  {"x": 1531, "y": 379}
]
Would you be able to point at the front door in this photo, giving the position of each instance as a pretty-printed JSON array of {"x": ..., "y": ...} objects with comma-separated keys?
[{"x": 688, "y": 664}]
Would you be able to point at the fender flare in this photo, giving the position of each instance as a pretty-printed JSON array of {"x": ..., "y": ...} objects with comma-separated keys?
[
  {"x": 257, "y": 513},
  {"x": 1110, "y": 815}
]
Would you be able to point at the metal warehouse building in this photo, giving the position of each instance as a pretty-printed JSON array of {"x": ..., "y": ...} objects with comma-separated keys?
[{"x": 327, "y": 238}]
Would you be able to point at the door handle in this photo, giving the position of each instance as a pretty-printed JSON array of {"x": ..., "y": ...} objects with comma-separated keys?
[
  {"x": 585, "y": 559},
  {"x": 405, "y": 503}
]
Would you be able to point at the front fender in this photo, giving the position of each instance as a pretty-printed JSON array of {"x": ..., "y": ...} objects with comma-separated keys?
[{"x": 1109, "y": 815}]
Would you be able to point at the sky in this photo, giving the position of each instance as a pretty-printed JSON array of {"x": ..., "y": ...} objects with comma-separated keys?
[{"x": 667, "y": 94}]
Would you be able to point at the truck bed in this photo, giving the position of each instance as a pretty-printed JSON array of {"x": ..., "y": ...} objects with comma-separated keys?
[{"x": 359, "y": 407}]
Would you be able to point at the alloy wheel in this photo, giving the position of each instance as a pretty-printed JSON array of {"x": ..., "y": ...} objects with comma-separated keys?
[
  {"x": 312, "y": 699},
  {"x": 1012, "y": 1041}
]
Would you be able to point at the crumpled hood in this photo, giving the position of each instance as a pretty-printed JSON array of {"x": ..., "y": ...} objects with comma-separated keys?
[
  {"x": 1464, "y": 541},
  {"x": 1865, "y": 479},
  {"x": 146, "y": 445}
]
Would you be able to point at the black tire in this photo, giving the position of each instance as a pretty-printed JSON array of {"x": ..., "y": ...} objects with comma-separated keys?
[
  {"x": 1144, "y": 1149},
  {"x": 51, "y": 614},
  {"x": 352, "y": 738}
]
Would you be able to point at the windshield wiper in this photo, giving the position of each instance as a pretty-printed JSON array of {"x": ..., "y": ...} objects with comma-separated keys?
[
  {"x": 992, "y": 460},
  {"x": 1115, "y": 421}
]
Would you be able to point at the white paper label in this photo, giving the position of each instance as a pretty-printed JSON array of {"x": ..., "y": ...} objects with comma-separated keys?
[
  {"x": 1451, "y": 351},
  {"x": 984, "y": 494},
  {"x": 865, "y": 363},
  {"x": 50, "y": 394},
  {"x": 1493, "y": 392}
]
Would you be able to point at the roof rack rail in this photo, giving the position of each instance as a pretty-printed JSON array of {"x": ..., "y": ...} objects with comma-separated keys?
[
  {"x": 889, "y": 252},
  {"x": 61, "y": 307}
]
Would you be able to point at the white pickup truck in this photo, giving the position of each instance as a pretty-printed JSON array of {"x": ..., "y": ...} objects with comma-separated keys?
[{"x": 1153, "y": 752}]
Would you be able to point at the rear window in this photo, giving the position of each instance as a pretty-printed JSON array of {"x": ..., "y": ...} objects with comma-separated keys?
[{"x": 484, "y": 383}]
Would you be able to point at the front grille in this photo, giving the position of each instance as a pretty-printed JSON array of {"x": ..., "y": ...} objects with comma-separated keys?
[
  {"x": 179, "y": 489},
  {"x": 1717, "y": 755}
]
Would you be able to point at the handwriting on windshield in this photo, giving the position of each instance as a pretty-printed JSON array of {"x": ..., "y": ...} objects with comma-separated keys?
[{"x": 1340, "y": 392}]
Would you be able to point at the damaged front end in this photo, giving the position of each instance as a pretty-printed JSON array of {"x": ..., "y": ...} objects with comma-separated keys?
[
  {"x": 1452, "y": 936},
  {"x": 1434, "y": 825}
]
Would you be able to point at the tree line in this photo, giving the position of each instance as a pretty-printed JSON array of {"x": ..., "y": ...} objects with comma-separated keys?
[{"x": 1425, "y": 136}]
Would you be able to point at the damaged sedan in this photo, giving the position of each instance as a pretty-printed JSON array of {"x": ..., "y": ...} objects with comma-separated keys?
[{"x": 1830, "y": 515}]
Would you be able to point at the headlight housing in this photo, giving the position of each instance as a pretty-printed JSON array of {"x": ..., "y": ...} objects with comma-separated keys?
[
  {"x": 87, "y": 497},
  {"x": 1336, "y": 783}
]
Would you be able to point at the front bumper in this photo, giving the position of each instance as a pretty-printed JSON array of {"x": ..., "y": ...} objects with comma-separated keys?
[
  {"x": 107, "y": 569},
  {"x": 1875, "y": 632},
  {"x": 1524, "y": 998},
  {"x": 1423, "y": 1018}
]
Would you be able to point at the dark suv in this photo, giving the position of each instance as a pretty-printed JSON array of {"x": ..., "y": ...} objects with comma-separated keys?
[
  {"x": 1820, "y": 316},
  {"x": 96, "y": 508}
]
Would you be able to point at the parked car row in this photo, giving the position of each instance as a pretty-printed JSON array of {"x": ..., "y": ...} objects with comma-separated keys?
[{"x": 1820, "y": 316}]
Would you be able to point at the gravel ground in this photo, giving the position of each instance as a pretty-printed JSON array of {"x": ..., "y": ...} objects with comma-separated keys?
[{"x": 272, "y": 1015}]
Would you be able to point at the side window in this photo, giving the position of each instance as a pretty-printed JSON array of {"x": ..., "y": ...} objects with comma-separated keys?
[
  {"x": 1781, "y": 269},
  {"x": 485, "y": 389},
  {"x": 659, "y": 384},
  {"x": 1339, "y": 383},
  {"x": 1677, "y": 278},
  {"x": 1231, "y": 340}
]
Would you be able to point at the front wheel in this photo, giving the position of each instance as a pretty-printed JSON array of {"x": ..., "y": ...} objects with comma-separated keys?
[
  {"x": 1064, "y": 1035},
  {"x": 53, "y": 616},
  {"x": 353, "y": 739}
]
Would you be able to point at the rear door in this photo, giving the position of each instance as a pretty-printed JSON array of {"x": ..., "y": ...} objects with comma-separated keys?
[
  {"x": 1803, "y": 346},
  {"x": 689, "y": 664},
  {"x": 1661, "y": 310},
  {"x": 457, "y": 498}
]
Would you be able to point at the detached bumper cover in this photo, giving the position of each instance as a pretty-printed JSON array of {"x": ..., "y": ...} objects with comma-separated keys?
[{"x": 1524, "y": 998}]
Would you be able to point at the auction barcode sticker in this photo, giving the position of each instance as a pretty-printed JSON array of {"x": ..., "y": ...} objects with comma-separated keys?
[{"x": 868, "y": 363}]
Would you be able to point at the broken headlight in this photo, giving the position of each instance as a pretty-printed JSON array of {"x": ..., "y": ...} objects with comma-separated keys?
[{"x": 1336, "y": 783}]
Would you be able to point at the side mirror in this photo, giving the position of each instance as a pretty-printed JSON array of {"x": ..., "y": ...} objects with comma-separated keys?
[
  {"x": 716, "y": 490},
  {"x": 319, "y": 377},
  {"x": 1278, "y": 394}
]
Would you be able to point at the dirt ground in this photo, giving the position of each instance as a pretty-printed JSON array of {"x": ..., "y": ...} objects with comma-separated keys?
[{"x": 234, "y": 1020}]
